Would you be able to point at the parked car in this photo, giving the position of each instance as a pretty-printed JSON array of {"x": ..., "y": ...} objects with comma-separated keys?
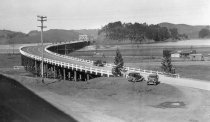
[
  {"x": 135, "y": 77},
  {"x": 99, "y": 63},
  {"x": 153, "y": 79}
]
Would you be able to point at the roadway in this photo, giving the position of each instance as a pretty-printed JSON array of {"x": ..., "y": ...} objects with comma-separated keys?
[
  {"x": 37, "y": 50},
  {"x": 194, "y": 83}
]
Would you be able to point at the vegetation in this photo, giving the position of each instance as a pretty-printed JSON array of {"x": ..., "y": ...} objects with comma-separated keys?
[
  {"x": 139, "y": 32},
  {"x": 118, "y": 61},
  {"x": 52, "y": 35},
  {"x": 184, "y": 29},
  {"x": 204, "y": 33},
  {"x": 166, "y": 64}
]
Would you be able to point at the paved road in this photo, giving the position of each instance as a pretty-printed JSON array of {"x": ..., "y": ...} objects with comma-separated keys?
[
  {"x": 37, "y": 50},
  {"x": 205, "y": 85},
  {"x": 194, "y": 83}
]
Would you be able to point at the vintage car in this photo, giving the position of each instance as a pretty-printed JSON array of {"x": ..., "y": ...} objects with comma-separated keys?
[
  {"x": 99, "y": 63},
  {"x": 153, "y": 79},
  {"x": 135, "y": 77}
]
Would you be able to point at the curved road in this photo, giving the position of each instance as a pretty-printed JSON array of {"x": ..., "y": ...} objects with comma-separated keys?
[{"x": 37, "y": 50}]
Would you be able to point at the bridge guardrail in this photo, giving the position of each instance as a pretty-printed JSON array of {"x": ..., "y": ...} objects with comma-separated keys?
[
  {"x": 68, "y": 65},
  {"x": 112, "y": 65},
  {"x": 91, "y": 62}
]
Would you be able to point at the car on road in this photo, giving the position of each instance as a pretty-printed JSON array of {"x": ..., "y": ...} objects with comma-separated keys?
[
  {"x": 153, "y": 79},
  {"x": 99, "y": 63},
  {"x": 135, "y": 77}
]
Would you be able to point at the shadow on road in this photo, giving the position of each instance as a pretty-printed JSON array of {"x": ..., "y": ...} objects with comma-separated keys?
[{"x": 19, "y": 104}]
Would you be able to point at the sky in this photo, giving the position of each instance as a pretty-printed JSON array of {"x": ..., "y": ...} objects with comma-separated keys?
[{"x": 21, "y": 15}]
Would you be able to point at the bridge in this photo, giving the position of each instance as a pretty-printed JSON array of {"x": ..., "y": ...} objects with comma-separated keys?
[{"x": 58, "y": 65}]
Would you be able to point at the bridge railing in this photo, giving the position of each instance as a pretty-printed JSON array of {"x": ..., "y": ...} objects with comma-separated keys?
[
  {"x": 92, "y": 69},
  {"x": 112, "y": 65},
  {"x": 68, "y": 65}
]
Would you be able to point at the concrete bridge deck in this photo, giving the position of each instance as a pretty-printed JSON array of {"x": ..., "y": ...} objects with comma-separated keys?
[
  {"x": 37, "y": 50},
  {"x": 61, "y": 66}
]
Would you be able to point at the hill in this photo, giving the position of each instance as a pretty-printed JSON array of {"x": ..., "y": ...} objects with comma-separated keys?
[
  {"x": 6, "y": 35},
  {"x": 191, "y": 31},
  {"x": 52, "y": 35}
]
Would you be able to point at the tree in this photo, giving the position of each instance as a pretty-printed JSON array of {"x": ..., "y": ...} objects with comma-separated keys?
[
  {"x": 174, "y": 33},
  {"x": 137, "y": 32},
  {"x": 118, "y": 61},
  {"x": 204, "y": 33},
  {"x": 166, "y": 64}
]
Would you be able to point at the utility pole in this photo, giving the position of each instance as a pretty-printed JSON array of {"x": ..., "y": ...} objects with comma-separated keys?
[
  {"x": 65, "y": 48},
  {"x": 42, "y": 19}
]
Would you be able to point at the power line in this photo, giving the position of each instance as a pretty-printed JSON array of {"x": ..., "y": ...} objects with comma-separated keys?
[{"x": 42, "y": 19}]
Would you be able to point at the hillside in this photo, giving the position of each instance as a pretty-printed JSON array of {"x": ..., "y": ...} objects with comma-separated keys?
[
  {"x": 53, "y": 35},
  {"x": 5, "y": 36},
  {"x": 191, "y": 31},
  {"x": 58, "y": 35}
]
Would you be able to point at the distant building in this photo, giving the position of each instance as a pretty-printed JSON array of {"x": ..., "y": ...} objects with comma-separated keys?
[
  {"x": 186, "y": 53},
  {"x": 178, "y": 53},
  {"x": 175, "y": 55},
  {"x": 209, "y": 57},
  {"x": 83, "y": 37},
  {"x": 196, "y": 57}
]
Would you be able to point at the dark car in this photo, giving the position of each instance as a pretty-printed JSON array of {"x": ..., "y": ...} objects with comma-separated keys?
[
  {"x": 153, "y": 79},
  {"x": 99, "y": 63},
  {"x": 135, "y": 77}
]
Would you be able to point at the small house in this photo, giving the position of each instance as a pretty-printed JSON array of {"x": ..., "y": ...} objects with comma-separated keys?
[
  {"x": 196, "y": 57},
  {"x": 175, "y": 55},
  {"x": 209, "y": 57},
  {"x": 187, "y": 53}
]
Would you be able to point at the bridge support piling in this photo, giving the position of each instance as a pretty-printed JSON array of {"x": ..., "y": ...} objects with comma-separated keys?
[
  {"x": 54, "y": 71},
  {"x": 35, "y": 66},
  {"x": 60, "y": 73},
  {"x": 75, "y": 75},
  {"x": 88, "y": 77},
  {"x": 51, "y": 72},
  {"x": 47, "y": 70},
  {"x": 41, "y": 69},
  {"x": 80, "y": 77},
  {"x": 69, "y": 75},
  {"x": 64, "y": 74}
]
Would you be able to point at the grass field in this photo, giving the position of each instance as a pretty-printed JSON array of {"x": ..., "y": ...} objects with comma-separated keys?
[
  {"x": 9, "y": 60},
  {"x": 149, "y": 57},
  {"x": 141, "y": 50}
]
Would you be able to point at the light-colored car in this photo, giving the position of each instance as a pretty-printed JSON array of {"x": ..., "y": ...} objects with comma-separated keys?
[
  {"x": 135, "y": 77},
  {"x": 153, "y": 79}
]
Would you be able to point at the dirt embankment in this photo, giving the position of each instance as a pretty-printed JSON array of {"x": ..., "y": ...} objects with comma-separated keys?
[{"x": 116, "y": 99}]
